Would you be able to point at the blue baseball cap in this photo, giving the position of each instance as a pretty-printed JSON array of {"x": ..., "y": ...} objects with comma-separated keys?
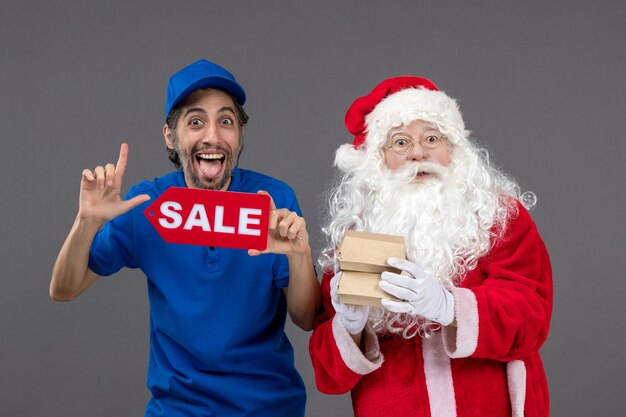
[{"x": 201, "y": 74}]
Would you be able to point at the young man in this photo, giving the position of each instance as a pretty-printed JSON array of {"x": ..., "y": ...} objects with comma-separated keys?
[
  {"x": 217, "y": 341},
  {"x": 475, "y": 292}
]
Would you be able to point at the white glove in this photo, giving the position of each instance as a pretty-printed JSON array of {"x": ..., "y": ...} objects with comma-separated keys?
[
  {"x": 353, "y": 317},
  {"x": 421, "y": 292}
]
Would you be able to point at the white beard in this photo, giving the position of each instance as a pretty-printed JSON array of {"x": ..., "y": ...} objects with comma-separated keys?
[
  {"x": 448, "y": 221},
  {"x": 440, "y": 225}
]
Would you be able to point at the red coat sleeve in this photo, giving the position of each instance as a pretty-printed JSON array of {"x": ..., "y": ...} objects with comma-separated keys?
[
  {"x": 504, "y": 311},
  {"x": 338, "y": 363}
]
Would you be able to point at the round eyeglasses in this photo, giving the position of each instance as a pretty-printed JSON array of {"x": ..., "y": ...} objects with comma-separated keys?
[{"x": 402, "y": 143}]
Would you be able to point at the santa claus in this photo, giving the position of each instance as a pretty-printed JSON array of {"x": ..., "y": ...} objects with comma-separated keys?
[{"x": 475, "y": 291}]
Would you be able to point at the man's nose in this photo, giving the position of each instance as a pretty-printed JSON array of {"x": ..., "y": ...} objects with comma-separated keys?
[
  {"x": 211, "y": 134},
  {"x": 418, "y": 152}
]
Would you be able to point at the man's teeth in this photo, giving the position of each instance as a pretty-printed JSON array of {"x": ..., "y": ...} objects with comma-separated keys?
[{"x": 210, "y": 156}]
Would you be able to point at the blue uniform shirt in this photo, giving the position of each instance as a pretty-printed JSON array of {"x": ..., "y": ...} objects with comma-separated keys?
[{"x": 217, "y": 315}]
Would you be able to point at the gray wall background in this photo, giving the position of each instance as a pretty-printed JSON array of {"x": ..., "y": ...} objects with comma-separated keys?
[{"x": 540, "y": 83}]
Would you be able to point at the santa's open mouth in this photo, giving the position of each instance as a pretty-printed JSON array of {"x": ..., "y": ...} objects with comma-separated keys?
[{"x": 211, "y": 163}]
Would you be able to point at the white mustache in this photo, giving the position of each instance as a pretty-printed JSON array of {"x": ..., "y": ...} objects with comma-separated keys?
[
  {"x": 426, "y": 167},
  {"x": 410, "y": 170}
]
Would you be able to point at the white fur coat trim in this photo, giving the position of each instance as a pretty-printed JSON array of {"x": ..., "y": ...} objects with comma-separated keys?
[
  {"x": 352, "y": 356},
  {"x": 461, "y": 341},
  {"x": 516, "y": 377},
  {"x": 438, "y": 373}
]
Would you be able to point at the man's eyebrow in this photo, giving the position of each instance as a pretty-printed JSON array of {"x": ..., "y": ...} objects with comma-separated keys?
[
  {"x": 226, "y": 109},
  {"x": 201, "y": 110},
  {"x": 194, "y": 109}
]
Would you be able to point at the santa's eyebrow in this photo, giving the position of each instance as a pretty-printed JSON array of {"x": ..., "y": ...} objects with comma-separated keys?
[
  {"x": 395, "y": 130},
  {"x": 430, "y": 126},
  {"x": 426, "y": 128}
]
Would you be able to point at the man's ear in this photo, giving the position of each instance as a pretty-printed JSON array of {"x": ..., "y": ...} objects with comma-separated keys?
[{"x": 167, "y": 134}]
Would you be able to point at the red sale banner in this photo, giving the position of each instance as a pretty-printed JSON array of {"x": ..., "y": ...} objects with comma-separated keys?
[{"x": 211, "y": 218}]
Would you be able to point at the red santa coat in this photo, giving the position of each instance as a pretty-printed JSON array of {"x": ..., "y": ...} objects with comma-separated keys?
[{"x": 488, "y": 365}]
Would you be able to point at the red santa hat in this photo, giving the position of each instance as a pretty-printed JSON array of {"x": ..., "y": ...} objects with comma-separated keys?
[{"x": 395, "y": 102}]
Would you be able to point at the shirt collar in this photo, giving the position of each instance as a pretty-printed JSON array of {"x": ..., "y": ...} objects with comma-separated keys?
[{"x": 235, "y": 180}]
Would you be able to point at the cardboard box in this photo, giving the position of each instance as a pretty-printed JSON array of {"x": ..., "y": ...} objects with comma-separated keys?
[
  {"x": 368, "y": 252},
  {"x": 361, "y": 288},
  {"x": 362, "y": 258}
]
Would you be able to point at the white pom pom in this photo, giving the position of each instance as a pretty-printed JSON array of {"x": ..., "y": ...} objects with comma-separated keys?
[{"x": 348, "y": 158}]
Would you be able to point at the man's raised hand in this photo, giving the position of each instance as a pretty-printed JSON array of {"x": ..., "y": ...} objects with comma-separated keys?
[{"x": 100, "y": 189}]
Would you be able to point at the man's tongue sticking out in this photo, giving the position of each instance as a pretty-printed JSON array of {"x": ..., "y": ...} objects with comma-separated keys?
[{"x": 210, "y": 167}]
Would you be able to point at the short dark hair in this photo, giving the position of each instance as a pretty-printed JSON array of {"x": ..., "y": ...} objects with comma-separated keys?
[{"x": 174, "y": 115}]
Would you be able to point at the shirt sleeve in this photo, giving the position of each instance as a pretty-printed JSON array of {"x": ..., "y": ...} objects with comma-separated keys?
[
  {"x": 112, "y": 248},
  {"x": 284, "y": 199},
  {"x": 506, "y": 316}
]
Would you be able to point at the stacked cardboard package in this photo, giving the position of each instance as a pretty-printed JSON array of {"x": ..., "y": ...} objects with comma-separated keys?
[{"x": 362, "y": 258}]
